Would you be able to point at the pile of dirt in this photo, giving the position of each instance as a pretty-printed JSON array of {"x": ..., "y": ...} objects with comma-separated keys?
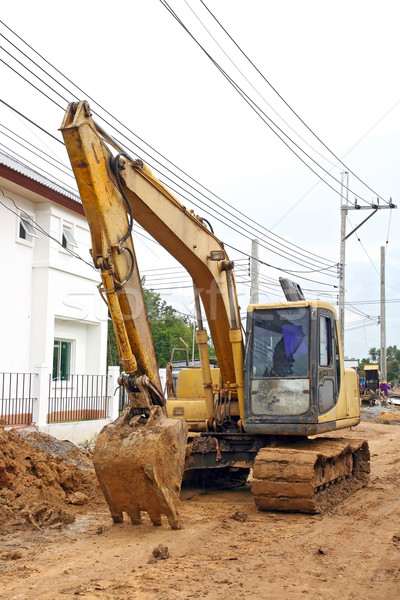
[
  {"x": 381, "y": 414},
  {"x": 389, "y": 417},
  {"x": 44, "y": 482}
]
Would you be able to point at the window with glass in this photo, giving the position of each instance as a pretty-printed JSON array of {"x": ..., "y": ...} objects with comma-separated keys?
[
  {"x": 61, "y": 360},
  {"x": 280, "y": 361},
  {"x": 26, "y": 230},
  {"x": 325, "y": 341},
  {"x": 68, "y": 240}
]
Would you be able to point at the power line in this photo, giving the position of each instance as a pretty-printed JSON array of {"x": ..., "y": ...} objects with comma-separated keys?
[
  {"x": 363, "y": 247},
  {"x": 34, "y": 153},
  {"x": 40, "y": 228},
  {"x": 115, "y": 119},
  {"x": 32, "y": 122},
  {"x": 290, "y": 271},
  {"x": 260, "y": 113},
  {"x": 288, "y": 105},
  {"x": 238, "y": 231},
  {"x": 280, "y": 269},
  {"x": 285, "y": 256},
  {"x": 26, "y": 160}
]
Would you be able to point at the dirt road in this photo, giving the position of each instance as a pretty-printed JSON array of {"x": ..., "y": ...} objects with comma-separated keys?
[{"x": 352, "y": 552}]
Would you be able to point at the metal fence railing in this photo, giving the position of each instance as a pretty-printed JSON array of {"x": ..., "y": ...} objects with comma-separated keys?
[
  {"x": 79, "y": 398},
  {"x": 16, "y": 398},
  {"x": 123, "y": 398}
]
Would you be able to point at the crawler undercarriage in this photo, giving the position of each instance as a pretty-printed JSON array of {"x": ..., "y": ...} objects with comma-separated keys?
[{"x": 306, "y": 475}]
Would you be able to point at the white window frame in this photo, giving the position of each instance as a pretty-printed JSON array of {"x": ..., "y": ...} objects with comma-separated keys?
[
  {"x": 24, "y": 221},
  {"x": 71, "y": 343},
  {"x": 67, "y": 234}
]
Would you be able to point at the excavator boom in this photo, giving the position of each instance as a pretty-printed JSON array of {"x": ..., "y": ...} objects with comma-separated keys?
[{"x": 116, "y": 190}]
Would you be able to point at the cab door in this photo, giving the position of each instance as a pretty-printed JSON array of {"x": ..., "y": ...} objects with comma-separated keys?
[{"x": 327, "y": 383}]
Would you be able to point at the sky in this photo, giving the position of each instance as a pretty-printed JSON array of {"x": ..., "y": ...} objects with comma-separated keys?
[{"x": 334, "y": 63}]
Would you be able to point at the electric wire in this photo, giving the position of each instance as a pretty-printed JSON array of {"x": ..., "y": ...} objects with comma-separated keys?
[
  {"x": 284, "y": 256},
  {"x": 387, "y": 235},
  {"x": 251, "y": 236},
  {"x": 53, "y": 90},
  {"x": 31, "y": 84},
  {"x": 32, "y": 122},
  {"x": 279, "y": 269},
  {"x": 69, "y": 174},
  {"x": 363, "y": 247},
  {"x": 19, "y": 211},
  {"x": 149, "y": 238},
  {"x": 65, "y": 88},
  {"x": 288, "y": 105},
  {"x": 248, "y": 80},
  {"x": 173, "y": 182},
  {"x": 264, "y": 117},
  {"x": 26, "y": 160},
  {"x": 110, "y": 115}
]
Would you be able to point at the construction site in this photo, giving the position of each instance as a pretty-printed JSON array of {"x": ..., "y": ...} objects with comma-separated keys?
[
  {"x": 58, "y": 540},
  {"x": 186, "y": 405}
]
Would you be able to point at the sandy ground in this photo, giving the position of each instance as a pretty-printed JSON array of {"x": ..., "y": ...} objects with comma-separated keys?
[{"x": 352, "y": 552}]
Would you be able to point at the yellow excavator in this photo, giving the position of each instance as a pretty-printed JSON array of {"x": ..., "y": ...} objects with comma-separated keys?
[{"x": 273, "y": 390}]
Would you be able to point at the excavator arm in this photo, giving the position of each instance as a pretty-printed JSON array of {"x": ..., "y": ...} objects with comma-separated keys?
[
  {"x": 139, "y": 459},
  {"x": 114, "y": 192}
]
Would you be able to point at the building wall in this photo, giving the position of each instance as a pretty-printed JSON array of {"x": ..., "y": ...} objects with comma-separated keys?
[
  {"x": 15, "y": 305},
  {"x": 46, "y": 292}
]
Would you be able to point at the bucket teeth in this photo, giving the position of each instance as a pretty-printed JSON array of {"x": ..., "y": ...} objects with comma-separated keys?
[
  {"x": 139, "y": 464},
  {"x": 310, "y": 476}
]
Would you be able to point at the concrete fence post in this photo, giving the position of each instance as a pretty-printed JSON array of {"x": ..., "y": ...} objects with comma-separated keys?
[
  {"x": 40, "y": 395},
  {"x": 113, "y": 395}
]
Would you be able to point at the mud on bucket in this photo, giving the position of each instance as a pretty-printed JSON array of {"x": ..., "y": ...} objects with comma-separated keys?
[{"x": 139, "y": 464}]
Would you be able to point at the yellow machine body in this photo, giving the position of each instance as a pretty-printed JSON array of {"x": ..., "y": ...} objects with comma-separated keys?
[{"x": 287, "y": 378}]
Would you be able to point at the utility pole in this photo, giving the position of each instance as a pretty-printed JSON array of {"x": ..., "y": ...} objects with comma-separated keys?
[
  {"x": 383, "y": 317},
  {"x": 344, "y": 208},
  {"x": 254, "y": 271},
  {"x": 343, "y": 217}
]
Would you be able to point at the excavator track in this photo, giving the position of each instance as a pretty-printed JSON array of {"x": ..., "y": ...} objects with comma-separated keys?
[{"x": 309, "y": 476}]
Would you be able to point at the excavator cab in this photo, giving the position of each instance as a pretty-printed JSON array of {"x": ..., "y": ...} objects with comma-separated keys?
[{"x": 293, "y": 371}]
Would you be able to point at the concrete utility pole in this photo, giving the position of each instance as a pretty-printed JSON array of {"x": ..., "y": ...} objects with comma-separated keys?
[
  {"x": 343, "y": 217},
  {"x": 254, "y": 271},
  {"x": 383, "y": 317},
  {"x": 345, "y": 207}
]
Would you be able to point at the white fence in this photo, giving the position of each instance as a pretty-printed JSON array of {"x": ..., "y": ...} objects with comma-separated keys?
[{"x": 34, "y": 399}]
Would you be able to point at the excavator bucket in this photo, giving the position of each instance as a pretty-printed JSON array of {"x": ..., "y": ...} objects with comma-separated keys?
[{"x": 139, "y": 463}]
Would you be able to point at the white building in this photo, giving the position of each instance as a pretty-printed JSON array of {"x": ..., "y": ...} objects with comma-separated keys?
[{"x": 51, "y": 311}]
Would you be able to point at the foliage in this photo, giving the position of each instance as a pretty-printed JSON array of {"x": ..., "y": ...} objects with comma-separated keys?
[
  {"x": 374, "y": 354},
  {"x": 392, "y": 361},
  {"x": 168, "y": 329},
  {"x": 363, "y": 362},
  {"x": 112, "y": 350}
]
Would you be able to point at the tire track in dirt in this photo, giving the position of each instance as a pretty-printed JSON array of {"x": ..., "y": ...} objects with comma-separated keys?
[{"x": 352, "y": 552}]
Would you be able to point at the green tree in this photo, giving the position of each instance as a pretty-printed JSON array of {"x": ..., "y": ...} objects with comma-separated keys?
[
  {"x": 392, "y": 361},
  {"x": 374, "y": 354},
  {"x": 112, "y": 350},
  {"x": 168, "y": 328},
  {"x": 363, "y": 362}
]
